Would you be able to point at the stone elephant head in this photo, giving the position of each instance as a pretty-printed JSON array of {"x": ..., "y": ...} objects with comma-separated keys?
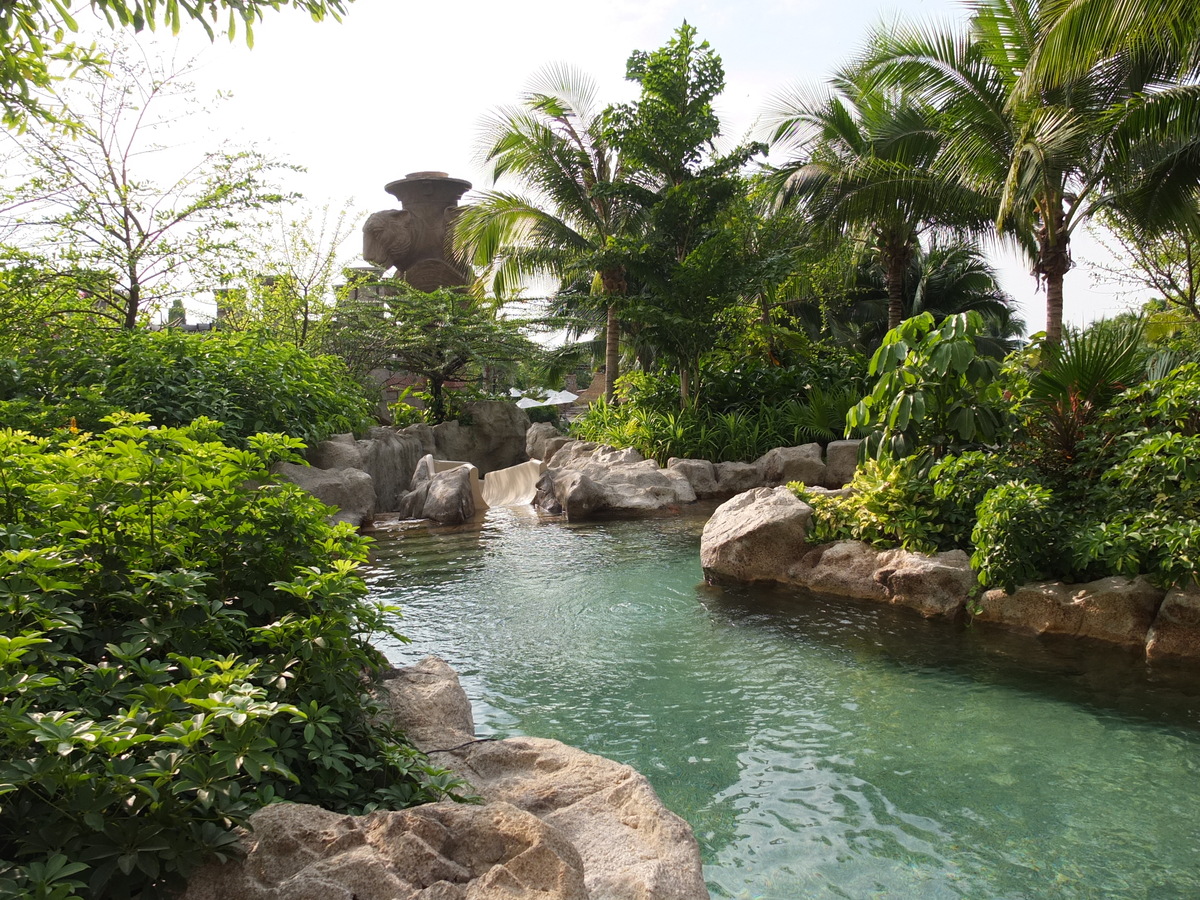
[{"x": 390, "y": 238}]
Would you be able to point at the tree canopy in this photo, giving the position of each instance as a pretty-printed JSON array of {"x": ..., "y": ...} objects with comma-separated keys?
[{"x": 36, "y": 36}]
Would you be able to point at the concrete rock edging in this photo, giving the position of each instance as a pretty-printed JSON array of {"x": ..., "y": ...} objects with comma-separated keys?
[{"x": 761, "y": 535}]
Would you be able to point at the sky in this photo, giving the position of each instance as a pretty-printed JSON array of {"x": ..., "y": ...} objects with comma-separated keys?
[{"x": 400, "y": 87}]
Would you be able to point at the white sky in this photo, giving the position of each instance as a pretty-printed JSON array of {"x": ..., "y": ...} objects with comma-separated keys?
[{"x": 402, "y": 86}]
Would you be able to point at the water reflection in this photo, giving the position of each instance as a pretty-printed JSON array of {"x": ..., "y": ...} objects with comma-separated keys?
[{"x": 818, "y": 747}]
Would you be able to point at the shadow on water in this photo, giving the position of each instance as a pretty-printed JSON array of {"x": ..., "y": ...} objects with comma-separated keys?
[{"x": 1091, "y": 673}]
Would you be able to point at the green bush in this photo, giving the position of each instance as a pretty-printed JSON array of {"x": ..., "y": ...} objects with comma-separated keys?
[
  {"x": 246, "y": 382},
  {"x": 1016, "y": 535},
  {"x": 891, "y": 504},
  {"x": 183, "y": 641},
  {"x": 543, "y": 414}
]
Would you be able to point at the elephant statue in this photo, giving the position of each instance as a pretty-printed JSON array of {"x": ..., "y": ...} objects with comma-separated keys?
[{"x": 390, "y": 238}]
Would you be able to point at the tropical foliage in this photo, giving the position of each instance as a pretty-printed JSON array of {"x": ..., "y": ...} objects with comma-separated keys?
[{"x": 183, "y": 642}]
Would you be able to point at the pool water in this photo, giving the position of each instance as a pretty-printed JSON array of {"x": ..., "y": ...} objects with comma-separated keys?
[{"x": 818, "y": 748}]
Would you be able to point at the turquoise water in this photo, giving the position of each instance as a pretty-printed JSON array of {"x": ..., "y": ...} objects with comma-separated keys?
[{"x": 819, "y": 749}]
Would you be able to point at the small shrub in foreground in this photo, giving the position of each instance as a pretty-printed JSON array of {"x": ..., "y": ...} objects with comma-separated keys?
[{"x": 182, "y": 641}]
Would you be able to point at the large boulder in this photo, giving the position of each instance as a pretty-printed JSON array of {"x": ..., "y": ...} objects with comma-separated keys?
[
  {"x": 441, "y": 851},
  {"x": 493, "y": 439},
  {"x": 585, "y": 479},
  {"x": 1118, "y": 609},
  {"x": 756, "y": 536},
  {"x": 543, "y": 440},
  {"x": 841, "y": 462},
  {"x": 389, "y": 457},
  {"x": 632, "y": 847},
  {"x": 350, "y": 490},
  {"x": 932, "y": 585},
  {"x": 450, "y": 496},
  {"x": 840, "y": 569},
  {"x": 783, "y": 465},
  {"x": 1176, "y": 628}
]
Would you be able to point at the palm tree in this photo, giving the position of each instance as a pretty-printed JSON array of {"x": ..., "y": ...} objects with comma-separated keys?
[
  {"x": 1053, "y": 152},
  {"x": 863, "y": 164},
  {"x": 946, "y": 278},
  {"x": 565, "y": 226}
]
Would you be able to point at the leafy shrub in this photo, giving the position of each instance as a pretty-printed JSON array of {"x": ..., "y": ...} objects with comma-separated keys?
[
  {"x": 247, "y": 383},
  {"x": 543, "y": 414},
  {"x": 935, "y": 391},
  {"x": 961, "y": 482},
  {"x": 183, "y": 641},
  {"x": 1016, "y": 534},
  {"x": 891, "y": 503}
]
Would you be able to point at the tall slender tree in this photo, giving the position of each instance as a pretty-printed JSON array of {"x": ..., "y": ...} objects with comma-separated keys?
[
  {"x": 1053, "y": 148},
  {"x": 690, "y": 258},
  {"x": 568, "y": 219},
  {"x": 862, "y": 164}
]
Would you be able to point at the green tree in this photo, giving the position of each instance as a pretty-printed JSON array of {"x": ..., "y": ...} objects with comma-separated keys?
[
  {"x": 554, "y": 146},
  {"x": 445, "y": 336},
  {"x": 1052, "y": 149},
  {"x": 36, "y": 47},
  {"x": 85, "y": 202},
  {"x": 862, "y": 165},
  {"x": 689, "y": 260}
]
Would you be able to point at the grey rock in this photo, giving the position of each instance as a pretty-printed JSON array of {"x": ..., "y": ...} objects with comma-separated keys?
[
  {"x": 840, "y": 569},
  {"x": 1118, "y": 610},
  {"x": 427, "y": 703},
  {"x": 1176, "y": 629},
  {"x": 737, "y": 477},
  {"x": 450, "y": 498},
  {"x": 495, "y": 439},
  {"x": 632, "y": 847},
  {"x": 756, "y": 536},
  {"x": 389, "y": 457},
  {"x": 335, "y": 453},
  {"x": 841, "y": 462},
  {"x": 441, "y": 851},
  {"x": 350, "y": 490},
  {"x": 932, "y": 585},
  {"x": 699, "y": 472},
  {"x": 543, "y": 440},
  {"x": 783, "y": 465}
]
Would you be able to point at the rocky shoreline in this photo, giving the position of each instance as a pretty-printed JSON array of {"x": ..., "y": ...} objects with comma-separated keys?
[
  {"x": 554, "y": 823},
  {"x": 761, "y": 536}
]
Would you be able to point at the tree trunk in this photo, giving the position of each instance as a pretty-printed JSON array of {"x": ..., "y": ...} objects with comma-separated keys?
[
  {"x": 685, "y": 387},
  {"x": 897, "y": 265},
  {"x": 437, "y": 401},
  {"x": 614, "y": 285},
  {"x": 1053, "y": 262},
  {"x": 612, "y": 355},
  {"x": 132, "y": 301}
]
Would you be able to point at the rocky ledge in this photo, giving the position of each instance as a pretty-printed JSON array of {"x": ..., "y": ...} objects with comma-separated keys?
[
  {"x": 762, "y": 535},
  {"x": 555, "y": 823}
]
